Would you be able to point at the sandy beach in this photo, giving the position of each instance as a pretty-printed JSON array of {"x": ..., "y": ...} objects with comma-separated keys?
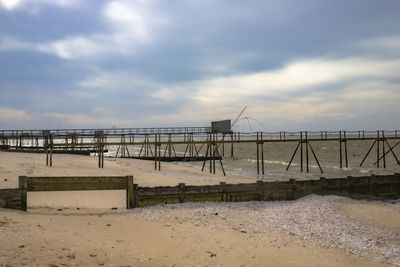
[{"x": 94, "y": 229}]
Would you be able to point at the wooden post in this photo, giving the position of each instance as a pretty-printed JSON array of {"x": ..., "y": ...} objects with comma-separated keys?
[
  {"x": 301, "y": 152},
  {"x": 340, "y": 150},
  {"x": 23, "y": 185},
  {"x": 99, "y": 152},
  {"x": 155, "y": 152},
  {"x": 47, "y": 155},
  {"x": 51, "y": 151},
  {"x": 191, "y": 150},
  {"x": 205, "y": 159},
  {"x": 232, "y": 145},
  {"x": 100, "y": 144},
  {"x": 258, "y": 155},
  {"x": 102, "y": 156},
  {"x": 377, "y": 149},
  {"x": 307, "y": 161},
  {"x": 169, "y": 145},
  {"x": 223, "y": 145},
  {"x": 262, "y": 153},
  {"x": 383, "y": 149},
  {"x": 215, "y": 148},
  {"x": 46, "y": 140},
  {"x": 159, "y": 152},
  {"x": 345, "y": 150},
  {"x": 211, "y": 147},
  {"x": 130, "y": 193},
  {"x": 146, "y": 140}
]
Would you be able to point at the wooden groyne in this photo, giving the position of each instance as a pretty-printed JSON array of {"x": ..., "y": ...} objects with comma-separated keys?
[{"x": 367, "y": 187}]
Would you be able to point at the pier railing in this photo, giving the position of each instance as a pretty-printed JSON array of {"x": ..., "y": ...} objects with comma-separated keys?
[{"x": 105, "y": 131}]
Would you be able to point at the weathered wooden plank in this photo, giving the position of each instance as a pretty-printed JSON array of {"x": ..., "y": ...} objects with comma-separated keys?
[
  {"x": 75, "y": 187},
  {"x": 77, "y": 179}
]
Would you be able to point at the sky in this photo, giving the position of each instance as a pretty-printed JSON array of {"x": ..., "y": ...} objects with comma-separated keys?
[{"x": 296, "y": 65}]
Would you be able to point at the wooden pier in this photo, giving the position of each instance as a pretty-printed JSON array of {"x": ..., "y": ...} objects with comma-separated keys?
[{"x": 201, "y": 144}]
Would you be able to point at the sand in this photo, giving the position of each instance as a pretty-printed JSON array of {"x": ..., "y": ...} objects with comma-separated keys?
[{"x": 313, "y": 231}]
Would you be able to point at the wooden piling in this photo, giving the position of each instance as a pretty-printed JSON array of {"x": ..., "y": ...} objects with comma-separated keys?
[
  {"x": 377, "y": 149},
  {"x": 340, "y": 150},
  {"x": 383, "y": 149},
  {"x": 258, "y": 155},
  {"x": 301, "y": 152},
  {"x": 307, "y": 162},
  {"x": 262, "y": 154}
]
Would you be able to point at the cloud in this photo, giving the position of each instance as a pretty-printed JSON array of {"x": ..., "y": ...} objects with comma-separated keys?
[
  {"x": 131, "y": 24},
  {"x": 11, "y": 5},
  {"x": 10, "y": 115},
  {"x": 301, "y": 90},
  {"x": 128, "y": 26},
  {"x": 132, "y": 20},
  {"x": 293, "y": 78},
  {"x": 355, "y": 86},
  {"x": 74, "y": 47}
]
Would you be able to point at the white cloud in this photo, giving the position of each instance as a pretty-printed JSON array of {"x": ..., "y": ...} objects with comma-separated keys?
[
  {"x": 10, "y": 4},
  {"x": 32, "y": 4},
  {"x": 131, "y": 20},
  {"x": 74, "y": 47},
  {"x": 9, "y": 115}
]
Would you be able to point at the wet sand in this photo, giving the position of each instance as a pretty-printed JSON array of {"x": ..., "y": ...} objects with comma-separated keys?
[{"x": 313, "y": 231}]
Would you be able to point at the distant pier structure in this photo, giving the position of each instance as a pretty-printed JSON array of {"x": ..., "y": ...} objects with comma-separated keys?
[{"x": 205, "y": 144}]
